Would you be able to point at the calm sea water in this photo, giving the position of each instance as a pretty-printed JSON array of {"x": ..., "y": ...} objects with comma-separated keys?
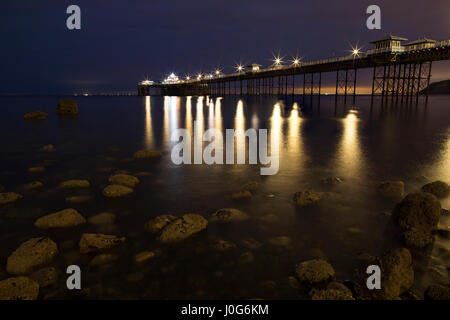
[{"x": 362, "y": 145}]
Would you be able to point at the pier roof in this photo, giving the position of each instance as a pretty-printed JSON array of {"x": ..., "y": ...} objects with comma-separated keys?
[{"x": 390, "y": 38}]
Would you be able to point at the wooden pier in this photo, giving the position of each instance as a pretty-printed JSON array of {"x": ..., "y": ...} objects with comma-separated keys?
[{"x": 399, "y": 72}]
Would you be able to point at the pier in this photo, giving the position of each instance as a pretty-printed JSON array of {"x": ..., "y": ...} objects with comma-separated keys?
[{"x": 400, "y": 72}]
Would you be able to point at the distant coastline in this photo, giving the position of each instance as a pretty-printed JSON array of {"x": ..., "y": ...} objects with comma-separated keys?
[{"x": 441, "y": 87}]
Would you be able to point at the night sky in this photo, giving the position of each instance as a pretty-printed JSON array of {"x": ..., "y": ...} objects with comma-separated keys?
[{"x": 123, "y": 42}]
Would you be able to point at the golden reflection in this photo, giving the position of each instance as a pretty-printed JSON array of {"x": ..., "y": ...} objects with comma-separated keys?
[
  {"x": 171, "y": 117},
  {"x": 211, "y": 114},
  {"x": 218, "y": 114},
  {"x": 148, "y": 124},
  {"x": 239, "y": 127},
  {"x": 199, "y": 129},
  {"x": 188, "y": 123},
  {"x": 350, "y": 149},
  {"x": 294, "y": 139},
  {"x": 276, "y": 123}
]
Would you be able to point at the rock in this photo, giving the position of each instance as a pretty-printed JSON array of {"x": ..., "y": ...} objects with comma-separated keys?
[
  {"x": 420, "y": 211},
  {"x": 124, "y": 180},
  {"x": 222, "y": 245},
  {"x": 182, "y": 228},
  {"x": 103, "y": 259},
  {"x": 250, "y": 186},
  {"x": 45, "y": 277},
  {"x": 437, "y": 292},
  {"x": 438, "y": 188},
  {"x": 70, "y": 184},
  {"x": 35, "y": 115},
  {"x": 144, "y": 174},
  {"x": 244, "y": 194},
  {"x": 155, "y": 225},
  {"x": 79, "y": 199},
  {"x": 115, "y": 190},
  {"x": 417, "y": 238},
  {"x": 397, "y": 276},
  {"x": 228, "y": 215},
  {"x": 144, "y": 256},
  {"x": 62, "y": 219},
  {"x": 147, "y": 154},
  {"x": 97, "y": 242},
  {"x": 270, "y": 218},
  {"x": 331, "y": 181},
  {"x": 103, "y": 218},
  {"x": 246, "y": 257},
  {"x": 9, "y": 197},
  {"x": 67, "y": 108},
  {"x": 251, "y": 243},
  {"x": 36, "y": 169},
  {"x": 392, "y": 190},
  {"x": 31, "y": 255},
  {"x": 33, "y": 185},
  {"x": 293, "y": 282},
  {"x": 331, "y": 294},
  {"x": 48, "y": 147},
  {"x": 281, "y": 241},
  {"x": 307, "y": 197},
  {"x": 20, "y": 288},
  {"x": 314, "y": 272}
]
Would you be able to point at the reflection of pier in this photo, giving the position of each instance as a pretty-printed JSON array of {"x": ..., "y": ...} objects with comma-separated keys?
[{"x": 399, "y": 72}]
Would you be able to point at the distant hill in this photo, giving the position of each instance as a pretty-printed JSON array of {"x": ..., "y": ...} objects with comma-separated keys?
[{"x": 441, "y": 87}]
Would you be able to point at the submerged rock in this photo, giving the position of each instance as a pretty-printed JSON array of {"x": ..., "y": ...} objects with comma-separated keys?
[
  {"x": 281, "y": 241},
  {"x": 33, "y": 185},
  {"x": 155, "y": 225},
  {"x": 222, "y": 245},
  {"x": 20, "y": 288},
  {"x": 182, "y": 228},
  {"x": 270, "y": 218},
  {"x": 115, "y": 190},
  {"x": 79, "y": 199},
  {"x": 437, "y": 292},
  {"x": 251, "y": 243},
  {"x": 331, "y": 181},
  {"x": 124, "y": 180},
  {"x": 246, "y": 257},
  {"x": 35, "y": 115},
  {"x": 228, "y": 215},
  {"x": 417, "y": 238},
  {"x": 250, "y": 186},
  {"x": 36, "y": 169},
  {"x": 69, "y": 184},
  {"x": 9, "y": 197},
  {"x": 147, "y": 154},
  {"x": 143, "y": 257},
  {"x": 103, "y": 259},
  {"x": 397, "y": 276},
  {"x": 48, "y": 147},
  {"x": 334, "y": 291},
  {"x": 31, "y": 255},
  {"x": 392, "y": 190},
  {"x": 103, "y": 218},
  {"x": 439, "y": 188},
  {"x": 67, "y": 108},
  {"x": 244, "y": 194},
  {"x": 314, "y": 272},
  {"x": 45, "y": 277},
  {"x": 62, "y": 219},
  {"x": 97, "y": 242},
  {"x": 420, "y": 211},
  {"x": 307, "y": 197}
]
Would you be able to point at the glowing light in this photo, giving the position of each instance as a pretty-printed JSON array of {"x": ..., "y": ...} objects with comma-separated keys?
[
  {"x": 218, "y": 72},
  {"x": 239, "y": 68},
  {"x": 172, "y": 78},
  {"x": 355, "y": 51},
  {"x": 146, "y": 82},
  {"x": 199, "y": 76},
  {"x": 277, "y": 60},
  {"x": 296, "y": 61},
  {"x": 188, "y": 78}
]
